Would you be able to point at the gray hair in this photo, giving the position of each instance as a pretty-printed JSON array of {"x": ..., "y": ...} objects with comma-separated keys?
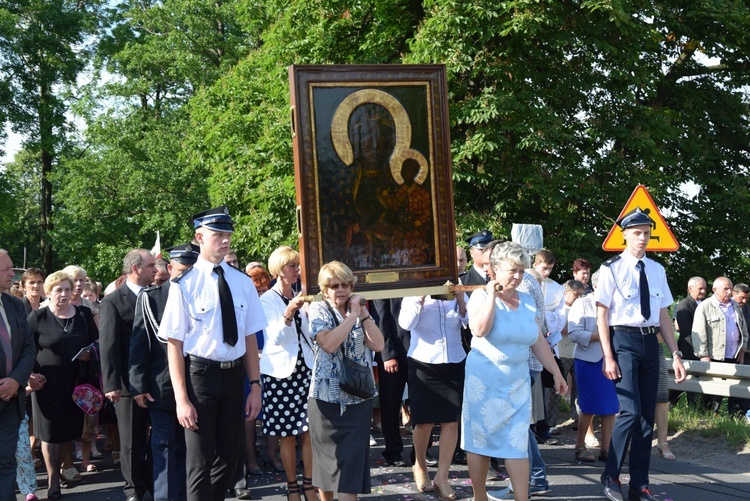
[
  {"x": 133, "y": 258},
  {"x": 161, "y": 264},
  {"x": 75, "y": 271},
  {"x": 509, "y": 252},
  {"x": 694, "y": 281}
]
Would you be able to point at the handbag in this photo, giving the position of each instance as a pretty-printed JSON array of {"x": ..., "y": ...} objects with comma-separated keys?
[
  {"x": 354, "y": 379},
  {"x": 88, "y": 398}
]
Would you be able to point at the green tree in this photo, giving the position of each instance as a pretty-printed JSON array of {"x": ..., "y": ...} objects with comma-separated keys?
[
  {"x": 43, "y": 49},
  {"x": 240, "y": 126},
  {"x": 559, "y": 108}
]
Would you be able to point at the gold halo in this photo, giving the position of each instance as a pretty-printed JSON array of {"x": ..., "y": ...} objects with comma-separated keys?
[{"x": 401, "y": 151}]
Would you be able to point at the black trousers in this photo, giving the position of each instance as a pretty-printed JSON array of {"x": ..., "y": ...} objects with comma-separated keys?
[
  {"x": 218, "y": 397},
  {"x": 391, "y": 392},
  {"x": 10, "y": 420},
  {"x": 135, "y": 457}
]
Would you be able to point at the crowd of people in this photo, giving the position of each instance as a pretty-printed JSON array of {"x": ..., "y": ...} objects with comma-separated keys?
[{"x": 194, "y": 359}]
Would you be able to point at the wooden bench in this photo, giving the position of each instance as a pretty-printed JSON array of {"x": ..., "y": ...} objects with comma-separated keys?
[{"x": 713, "y": 378}]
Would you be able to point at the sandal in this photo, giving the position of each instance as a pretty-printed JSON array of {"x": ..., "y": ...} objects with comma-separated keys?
[
  {"x": 668, "y": 455},
  {"x": 307, "y": 486},
  {"x": 292, "y": 488},
  {"x": 71, "y": 475},
  {"x": 422, "y": 480},
  {"x": 444, "y": 491},
  {"x": 583, "y": 454},
  {"x": 90, "y": 467}
]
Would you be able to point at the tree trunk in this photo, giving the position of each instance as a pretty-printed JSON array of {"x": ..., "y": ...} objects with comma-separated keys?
[{"x": 46, "y": 141}]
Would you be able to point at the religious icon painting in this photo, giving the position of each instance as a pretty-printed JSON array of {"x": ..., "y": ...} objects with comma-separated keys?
[{"x": 373, "y": 173}]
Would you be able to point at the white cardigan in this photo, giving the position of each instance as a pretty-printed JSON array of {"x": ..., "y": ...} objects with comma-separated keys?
[{"x": 279, "y": 354}]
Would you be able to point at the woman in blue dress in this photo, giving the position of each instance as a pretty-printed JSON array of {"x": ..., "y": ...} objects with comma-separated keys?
[{"x": 497, "y": 392}]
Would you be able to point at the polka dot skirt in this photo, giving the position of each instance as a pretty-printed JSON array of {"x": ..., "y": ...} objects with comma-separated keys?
[{"x": 285, "y": 401}]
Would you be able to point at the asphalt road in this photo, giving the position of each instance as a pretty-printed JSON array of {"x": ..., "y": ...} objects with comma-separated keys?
[{"x": 570, "y": 480}]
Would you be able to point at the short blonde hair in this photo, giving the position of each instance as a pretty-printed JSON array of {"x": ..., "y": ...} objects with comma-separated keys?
[
  {"x": 335, "y": 269},
  {"x": 54, "y": 279},
  {"x": 509, "y": 252},
  {"x": 75, "y": 271},
  {"x": 281, "y": 257}
]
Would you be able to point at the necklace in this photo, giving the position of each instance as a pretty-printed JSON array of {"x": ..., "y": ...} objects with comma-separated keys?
[{"x": 68, "y": 323}]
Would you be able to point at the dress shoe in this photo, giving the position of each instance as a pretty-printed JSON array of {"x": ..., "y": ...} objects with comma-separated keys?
[
  {"x": 640, "y": 495},
  {"x": 133, "y": 497},
  {"x": 429, "y": 460},
  {"x": 242, "y": 493},
  {"x": 459, "y": 457},
  {"x": 396, "y": 461},
  {"x": 612, "y": 488}
]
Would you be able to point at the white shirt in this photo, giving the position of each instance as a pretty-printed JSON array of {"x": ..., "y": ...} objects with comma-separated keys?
[
  {"x": 193, "y": 312},
  {"x": 618, "y": 290},
  {"x": 134, "y": 288},
  {"x": 435, "y": 330}
]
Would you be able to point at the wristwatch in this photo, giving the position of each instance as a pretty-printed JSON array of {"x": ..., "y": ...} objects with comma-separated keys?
[{"x": 677, "y": 353}]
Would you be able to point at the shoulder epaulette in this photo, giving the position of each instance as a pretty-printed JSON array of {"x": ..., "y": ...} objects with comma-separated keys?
[
  {"x": 152, "y": 288},
  {"x": 181, "y": 275},
  {"x": 611, "y": 260}
]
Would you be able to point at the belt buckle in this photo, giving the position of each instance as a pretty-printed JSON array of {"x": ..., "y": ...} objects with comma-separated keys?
[
  {"x": 226, "y": 365},
  {"x": 645, "y": 330}
]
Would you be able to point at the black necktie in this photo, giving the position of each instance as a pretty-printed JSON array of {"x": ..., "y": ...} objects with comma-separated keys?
[
  {"x": 228, "y": 319},
  {"x": 643, "y": 291}
]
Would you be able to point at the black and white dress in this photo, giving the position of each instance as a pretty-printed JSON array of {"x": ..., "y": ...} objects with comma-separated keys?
[{"x": 285, "y": 399}]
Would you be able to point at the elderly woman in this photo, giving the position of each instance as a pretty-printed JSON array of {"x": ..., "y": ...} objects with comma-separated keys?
[
  {"x": 436, "y": 380},
  {"x": 340, "y": 422},
  {"x": 497, "y": 393},
  {"x": 32, "y": 282},
  {"x": 60, "y": 330},
  {"x": 286, "y": 366},
  {"x": 596, "y": 394}
]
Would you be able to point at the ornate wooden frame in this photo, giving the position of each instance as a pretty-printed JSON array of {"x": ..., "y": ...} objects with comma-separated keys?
[{"x": 373, "y": 173}]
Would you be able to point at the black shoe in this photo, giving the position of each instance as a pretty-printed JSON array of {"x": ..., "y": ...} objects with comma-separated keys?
[
  {"x": 459, "y": 457},
  {"x": 612, "y": 488},
  {"x": 640, "y": 495},
  {"x": 396, "y": 461},
  {"x": 133, "y": 497},
  {"x": 242, "y": 493},
  {"x": 429, "y": 460}
]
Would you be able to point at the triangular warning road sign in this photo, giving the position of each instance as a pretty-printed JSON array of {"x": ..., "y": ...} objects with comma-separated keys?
[{"x": 662, "y": 239}]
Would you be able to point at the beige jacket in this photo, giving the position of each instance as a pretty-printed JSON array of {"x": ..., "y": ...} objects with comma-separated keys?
[{"x": 710, "y": 330}]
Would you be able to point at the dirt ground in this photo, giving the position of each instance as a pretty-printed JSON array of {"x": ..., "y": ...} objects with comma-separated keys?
[{"x": 693, "y": 448}]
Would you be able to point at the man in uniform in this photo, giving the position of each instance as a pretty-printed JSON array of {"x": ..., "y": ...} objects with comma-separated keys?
[
  {"x": 17, "y": 357},
  {"x": 150, "y": 383},
  {"x": 476, "y": 274},
  {"x": 210, "y": 320},
  {"x": 632, "y": 301},
  {"x": 115, "y": 328}
]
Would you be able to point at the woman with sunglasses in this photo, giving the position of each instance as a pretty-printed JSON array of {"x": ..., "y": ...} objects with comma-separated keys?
[{"x": 339, "y": 422}]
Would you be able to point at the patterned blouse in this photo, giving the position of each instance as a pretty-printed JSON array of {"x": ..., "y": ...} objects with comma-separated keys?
[{"x": 325, "y": 376}]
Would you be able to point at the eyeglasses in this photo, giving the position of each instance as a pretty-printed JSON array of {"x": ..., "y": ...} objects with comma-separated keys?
[{"x": 336, "y": 286}]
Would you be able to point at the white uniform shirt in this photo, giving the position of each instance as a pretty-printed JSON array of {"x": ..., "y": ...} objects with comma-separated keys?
[
  {"x": 618, "y": 290},
  {"x": 193, "y": 312}
]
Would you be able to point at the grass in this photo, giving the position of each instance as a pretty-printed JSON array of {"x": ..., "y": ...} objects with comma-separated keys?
[{"x": 697, "y": 419}]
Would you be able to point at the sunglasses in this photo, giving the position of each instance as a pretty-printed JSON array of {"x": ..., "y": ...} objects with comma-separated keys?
[{"x": 336, "y": 286}]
